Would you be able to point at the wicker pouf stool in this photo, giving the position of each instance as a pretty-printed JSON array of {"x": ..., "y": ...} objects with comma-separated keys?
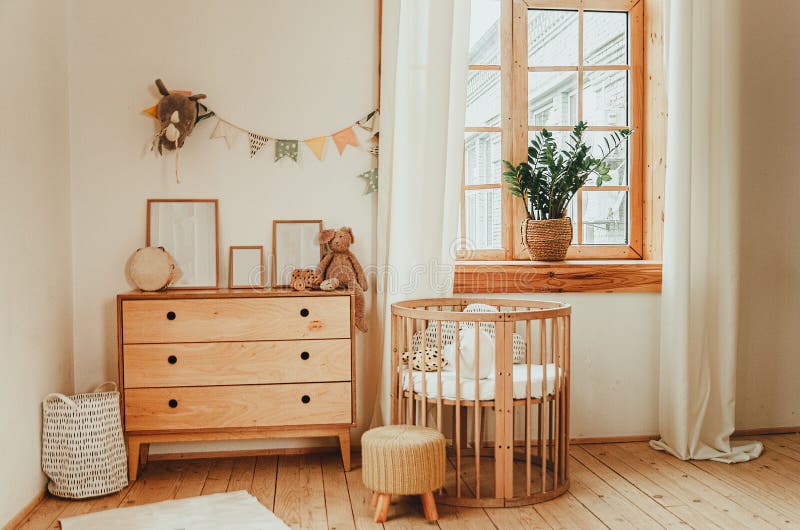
[{"x": 403, "y": 460}]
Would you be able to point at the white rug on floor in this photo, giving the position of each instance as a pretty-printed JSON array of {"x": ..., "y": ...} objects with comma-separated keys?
[{"x": 232, "y": 511}]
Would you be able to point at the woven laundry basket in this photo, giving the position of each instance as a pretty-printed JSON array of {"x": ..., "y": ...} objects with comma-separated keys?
[
  {"x": 83, "y": 451},
  {"x": 403, "y": 459}
]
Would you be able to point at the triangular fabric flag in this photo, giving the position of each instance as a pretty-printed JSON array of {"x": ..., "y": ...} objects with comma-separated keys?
[
  {"x": 371, "y": 177},
  {"x": 363, "y": 135},
  {"x": 317, "y": 145},
  {"x": 344, "y": 138},
  {"x": 286, "y": 148},
  {"x": 370, "y": 122},
  {"x": 257, "y": 141},
  {"x": 224, "y": 130},
  {"x": 152, "y": 111}
]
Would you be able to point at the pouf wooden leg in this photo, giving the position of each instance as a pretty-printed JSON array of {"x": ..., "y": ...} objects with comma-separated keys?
[
  {"x": 429, "y": 506},
  {"x": 382, "y": 507},
  {"x": 374, "y": 501}
]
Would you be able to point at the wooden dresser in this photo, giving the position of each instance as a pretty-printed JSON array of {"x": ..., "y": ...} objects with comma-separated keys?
[{"x": 235, "y": 364}]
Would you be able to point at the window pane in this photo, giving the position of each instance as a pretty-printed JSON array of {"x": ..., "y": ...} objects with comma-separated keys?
[
  {"x": 605, "y": 217},
  {"x": 617, "y": 161},
  {"x": 484, "y": 32},
  {"x": 572, "y": 213},
  {"x": 605, "y": 38},
  {"x": 605, "y": 97},
  {"x": 483, "y": 219},
  {"x": 552, "y": 38},
  {"x": 553, "y": 98},
  {"x": 482, "y": 158},
  {"x": 483, "y": 98}
]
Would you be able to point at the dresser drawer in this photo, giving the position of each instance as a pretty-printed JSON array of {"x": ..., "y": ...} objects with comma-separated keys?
[
  {"x": 236, "y": 363},
  {"x": 151, "y": 409},
  {"x": 235, "y": 319}
]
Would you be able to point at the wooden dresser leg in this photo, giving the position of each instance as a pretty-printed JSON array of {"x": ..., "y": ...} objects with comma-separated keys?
[
  {"x": 144, "y": 453},
  {"x": 133, "y": 458},
  {"x": 344, "y": 444},
  {"x": 429, "y": 506},
  {"x": 382, "y": 507}
]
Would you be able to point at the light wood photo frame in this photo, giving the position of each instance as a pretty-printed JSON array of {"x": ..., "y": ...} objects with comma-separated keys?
[
  {"x": 189, "y": 230},
  {"x": 295, "y": 245},
  {"x": 246, "y": 267}
]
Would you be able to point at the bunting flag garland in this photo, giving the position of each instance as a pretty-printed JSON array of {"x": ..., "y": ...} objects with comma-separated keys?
[
  {"x": 224, "y": 130},
  {"x": 363, "y": 133},
  {"x": 345, "y": 137},
  {"x": 257, "y": 141},
  {"x": 371, "y": 178},
  {"x": 286, "y": 148},
  {"x": 317, "y": 145}
]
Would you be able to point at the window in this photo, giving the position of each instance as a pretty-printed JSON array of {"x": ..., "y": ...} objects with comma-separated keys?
[{"x": 538, "y": 64}]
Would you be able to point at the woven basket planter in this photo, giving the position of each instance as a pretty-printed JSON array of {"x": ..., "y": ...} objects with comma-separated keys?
[{"x": 548, "y": 239}]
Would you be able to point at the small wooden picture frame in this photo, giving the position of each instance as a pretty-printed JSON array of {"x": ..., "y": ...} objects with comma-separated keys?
[
  {"x": 295, "y": 245},
  {"x": 246, "y": 267}
]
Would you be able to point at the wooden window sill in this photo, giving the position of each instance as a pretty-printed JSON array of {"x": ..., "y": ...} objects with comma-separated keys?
[{"x": 584, "y": 276}]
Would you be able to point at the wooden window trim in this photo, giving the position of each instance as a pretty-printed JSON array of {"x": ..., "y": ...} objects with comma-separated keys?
[
  {"x": 634, "y": 268},
  {"x": 579, "y": 276}
]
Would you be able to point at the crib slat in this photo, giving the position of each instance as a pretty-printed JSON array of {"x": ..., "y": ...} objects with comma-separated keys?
[
  {"x": 423, "y": 404},
  {"x": 528, "y": 408},
  {"x": 477, "y": 426},
  {"x": 566, "y": 398},
  {"x": 543, "y": 426},
  {"x": 440, "y": 355},
  {"x": 557, "y": 402},
  {"x": 458, "y": 409},
  {"x": 410, "y": 350}
]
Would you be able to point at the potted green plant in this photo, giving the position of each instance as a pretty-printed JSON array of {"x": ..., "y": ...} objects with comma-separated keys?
[{"x": 549, "y": 179}]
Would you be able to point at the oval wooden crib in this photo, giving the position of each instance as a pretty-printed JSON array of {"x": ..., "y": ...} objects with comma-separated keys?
[{"x": 507, "y": 425}]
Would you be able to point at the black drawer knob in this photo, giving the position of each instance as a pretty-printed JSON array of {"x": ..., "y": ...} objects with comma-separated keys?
[
  {"x": 305, "y": 399},
  {"x": 304, "y": 312},
  {"x": 172, "y": 359},
  {"x": 171, "y": 315},
  {"x": 173, "y": 403},
  {"x": 304, "y": 356}
]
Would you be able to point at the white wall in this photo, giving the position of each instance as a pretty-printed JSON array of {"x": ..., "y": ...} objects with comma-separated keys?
[
  {"x": 293, "y": 69},
  {"x": 769, "y": 335},
  {"x": 36, "y": 306}
]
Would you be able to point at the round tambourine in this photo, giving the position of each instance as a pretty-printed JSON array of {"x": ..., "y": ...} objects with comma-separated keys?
[{"x": 153, "y": 269}]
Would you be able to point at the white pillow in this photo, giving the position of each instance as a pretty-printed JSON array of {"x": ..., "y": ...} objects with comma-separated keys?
[{"x": 467, "y": 359}]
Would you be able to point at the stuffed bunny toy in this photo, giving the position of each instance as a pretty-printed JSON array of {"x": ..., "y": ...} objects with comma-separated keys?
[{"x": 340, "y": 264}]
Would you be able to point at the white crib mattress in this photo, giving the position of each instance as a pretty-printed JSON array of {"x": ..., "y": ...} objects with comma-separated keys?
[{"x": 486, "y": 386}]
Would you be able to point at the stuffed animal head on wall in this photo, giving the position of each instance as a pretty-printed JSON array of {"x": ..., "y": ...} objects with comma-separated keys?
[
  {"x": 338, "y": 240},
  {"x": 177, "y": 112}
]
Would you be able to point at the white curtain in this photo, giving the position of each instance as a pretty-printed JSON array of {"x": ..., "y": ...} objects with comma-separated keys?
[
  {"x": 700, "y": 275},
  {"x": 423, "y": 91}
]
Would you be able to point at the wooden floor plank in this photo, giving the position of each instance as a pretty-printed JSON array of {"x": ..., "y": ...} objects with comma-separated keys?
[
  {"x": 242, "y": 474},
  {"x": 159, "y": 482},
  {"x": 641, "y": 476},
  {"x": 613, "y": 486},
  {"x": 605, "y": 503},
  {"x": 265, "y": 477},
  {"x": 299, "y": 494},
  {"x": 337, "y": 498},
  {"x": 517, "y": 517},
  {"x": 194, "y": 478},
  {"x": 360, "y": 497},
  {"x": 663, "y": 516},
  {"x": 219, "y": 476},
  {"x": 751, "y": 504},
  {"x": 45, "y": 513},
  {"x": 567, "y": 512},
  {"x": 694, "y": 493}
]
